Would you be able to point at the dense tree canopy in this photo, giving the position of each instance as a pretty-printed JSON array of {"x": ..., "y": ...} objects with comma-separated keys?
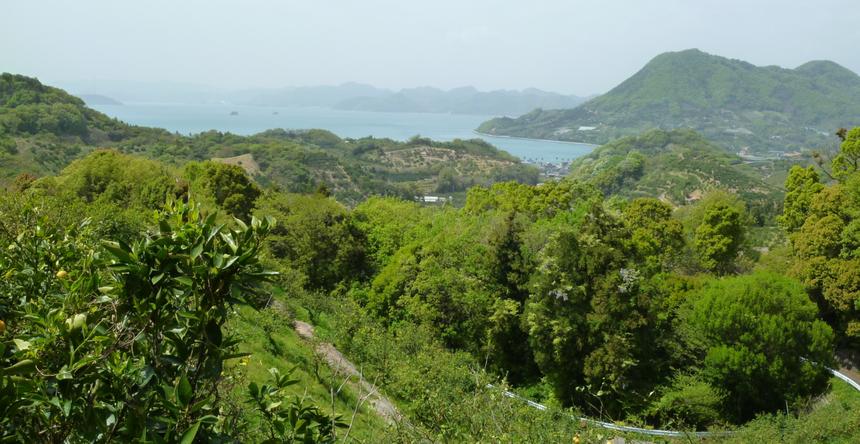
[
  {"x": 823, "y": 222},
  {"x": 121, "y": 318},
  {"x": 761, "y": 340}
]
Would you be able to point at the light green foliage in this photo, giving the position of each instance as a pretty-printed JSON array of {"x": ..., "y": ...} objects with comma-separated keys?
[
  {"x": 835, "y": 418},
  {"x": 655, "y": 236},
  {"x": 801, "y": 186},
  {"x": 847, "y": 161},
  {"x": 433, "y": 282},
  {"x": 822, "y": 224},
  {"x": 389, "y": 224},
  {"x": 267, "y": 337},
  {"x": 761, "y": 342},
  {"x": 718, "y": 238},
  {"x": 534, "y": 202},
  {"x": 111, "y": 177}
]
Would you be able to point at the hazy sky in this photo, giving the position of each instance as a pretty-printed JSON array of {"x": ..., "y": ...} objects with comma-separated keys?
[{"x": 571, "y": 46}]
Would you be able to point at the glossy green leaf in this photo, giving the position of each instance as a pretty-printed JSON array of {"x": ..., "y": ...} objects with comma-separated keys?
[
  {"x": 188, "y": 436},
  {"x": 183, "y": 391}
]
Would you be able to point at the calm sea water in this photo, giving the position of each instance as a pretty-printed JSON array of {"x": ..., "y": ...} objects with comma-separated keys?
[{"x": 187, "y": 119}]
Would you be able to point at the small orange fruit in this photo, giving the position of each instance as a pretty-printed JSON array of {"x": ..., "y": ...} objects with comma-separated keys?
[
  {"x": 2, "y": 327},
  {"x": 62, "y": 274}
]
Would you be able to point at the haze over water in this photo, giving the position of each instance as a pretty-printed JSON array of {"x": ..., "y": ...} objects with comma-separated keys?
[{"x": 187, "y": 119}]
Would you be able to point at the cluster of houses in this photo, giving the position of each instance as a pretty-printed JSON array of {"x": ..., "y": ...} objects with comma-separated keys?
[{"x": 434, "y": 199}]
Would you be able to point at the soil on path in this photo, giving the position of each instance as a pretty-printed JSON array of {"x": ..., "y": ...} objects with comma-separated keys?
[{"x": 342, "y": 366}]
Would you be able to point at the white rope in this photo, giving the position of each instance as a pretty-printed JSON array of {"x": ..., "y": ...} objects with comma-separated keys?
[{"x": 652, "y": 432}]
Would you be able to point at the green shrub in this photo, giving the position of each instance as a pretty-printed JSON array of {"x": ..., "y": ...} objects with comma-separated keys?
[{"x": 760, "y": 340}]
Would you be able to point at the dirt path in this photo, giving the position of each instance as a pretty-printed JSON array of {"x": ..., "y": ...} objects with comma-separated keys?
[{"x": 342, "y": 366}]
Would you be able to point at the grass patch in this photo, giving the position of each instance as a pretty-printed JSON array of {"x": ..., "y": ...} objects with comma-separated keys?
[{"x": 270, "y": 339}]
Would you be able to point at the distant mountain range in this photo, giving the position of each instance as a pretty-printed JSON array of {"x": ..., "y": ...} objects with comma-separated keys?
[
  {"x": 324, "y": 96},
  {"x": 358, "y": 97},
  {"x": 347, "y": 96},
  {"x": 467, "y": 100},
  {"x": 730, "y": 101},
  {"x": 98, "y": 99}
]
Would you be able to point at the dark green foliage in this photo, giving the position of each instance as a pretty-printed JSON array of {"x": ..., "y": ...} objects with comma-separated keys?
[
  {"x": 231, "y": 188},
  {"x": 122, "y": 342},
  {"x": 17, "y": 90},
  {"x": 760, "y": 342},
  {"x": 315, "y": 236}
]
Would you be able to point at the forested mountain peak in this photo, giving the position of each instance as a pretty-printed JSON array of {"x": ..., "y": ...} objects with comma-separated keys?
[
  {"x": 16, "y": 90},
  {"x": 732, "y": 102}
]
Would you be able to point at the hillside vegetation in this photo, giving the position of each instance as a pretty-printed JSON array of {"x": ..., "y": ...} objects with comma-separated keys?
[
  {"x": 678, "y": 167},
  {"x": 151, "y": 298},
  {"x": 731, "y": 102},
  {"x": 42, "y": 129}
]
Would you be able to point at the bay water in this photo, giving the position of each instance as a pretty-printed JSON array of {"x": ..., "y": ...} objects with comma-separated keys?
[{"x": 247, "y": 120}]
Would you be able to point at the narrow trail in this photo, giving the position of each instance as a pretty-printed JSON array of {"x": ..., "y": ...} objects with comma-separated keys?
[
  {"x": 340, "y": 365},
  {"x": 848, "y": 371}
]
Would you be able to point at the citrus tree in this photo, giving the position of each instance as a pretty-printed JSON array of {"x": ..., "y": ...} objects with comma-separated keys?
[{"x": 120, "y": 341}]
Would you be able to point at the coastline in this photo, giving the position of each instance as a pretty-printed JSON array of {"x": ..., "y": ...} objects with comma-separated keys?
[{"x": 536, "y": 140}]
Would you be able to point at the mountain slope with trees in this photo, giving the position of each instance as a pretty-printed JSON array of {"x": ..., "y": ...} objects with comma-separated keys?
[
  {"x": 679, "y": 167},
  {"x": 145, "y": 295},
  {"x": 42, "y": 129},
  {"x": 731, "y": 102}
]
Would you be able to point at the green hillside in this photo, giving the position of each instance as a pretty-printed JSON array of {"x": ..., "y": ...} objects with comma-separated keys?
[
  {"x": 729, "y": 101},
  {"x": 133, "y": 308},
  {"x": 676, "y": 166},
  {"x": 42, "y": 129}
]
